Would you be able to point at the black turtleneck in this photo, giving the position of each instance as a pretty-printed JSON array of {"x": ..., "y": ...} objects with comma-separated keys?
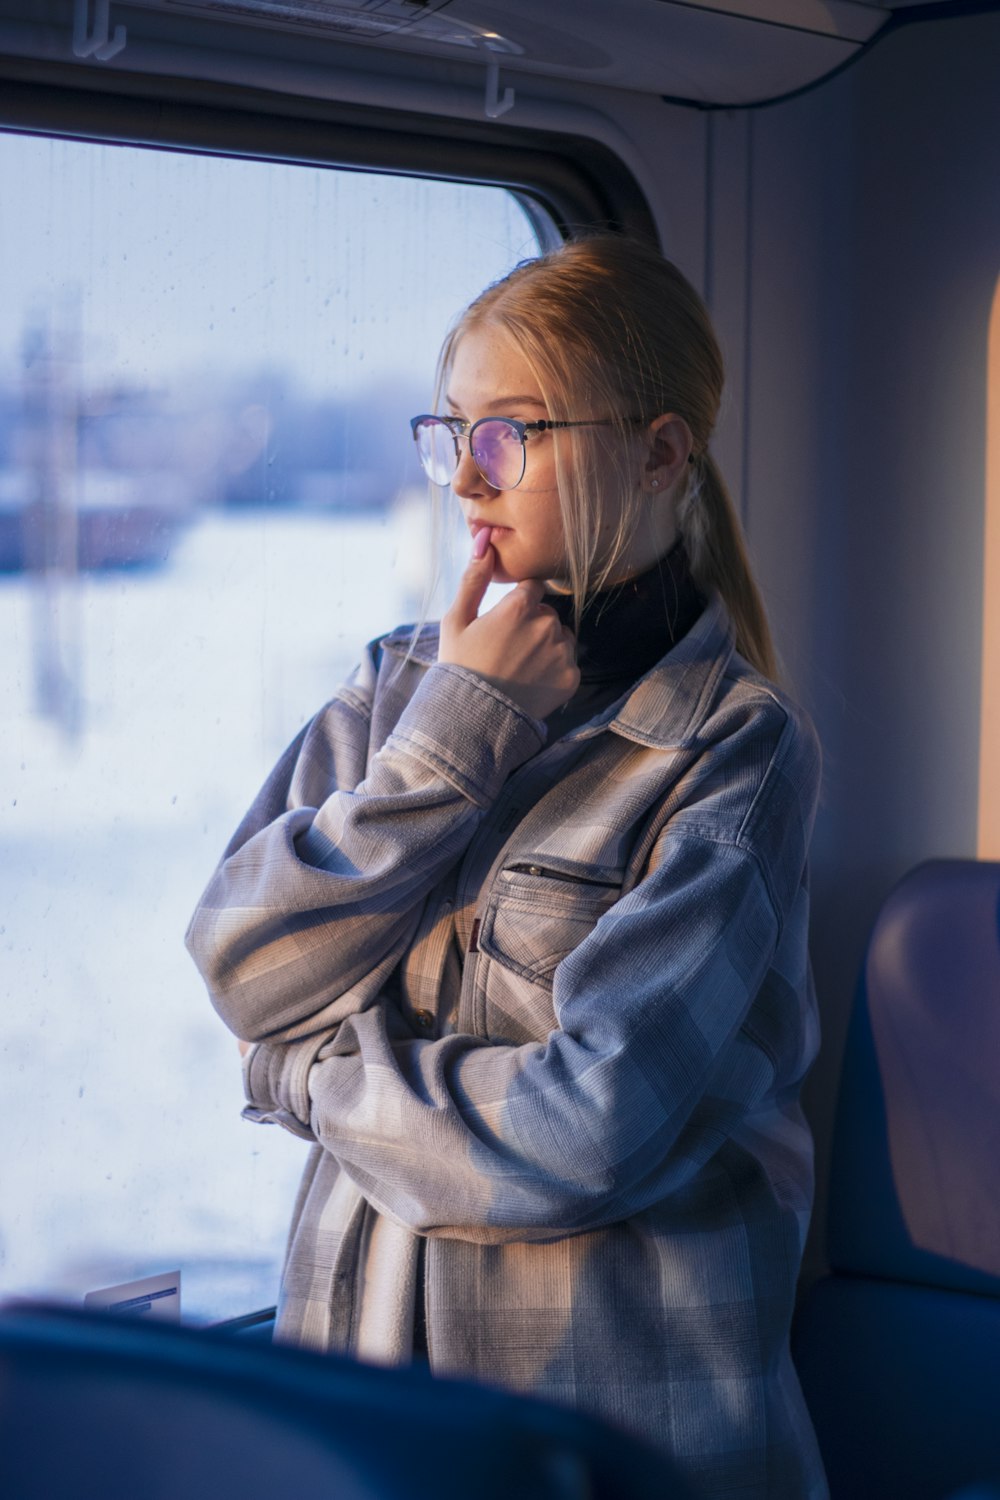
[{"x": 624, "y": 631}]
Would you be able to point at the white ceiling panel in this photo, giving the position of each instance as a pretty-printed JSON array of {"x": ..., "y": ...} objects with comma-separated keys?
[{"x": 709, "y": 51}]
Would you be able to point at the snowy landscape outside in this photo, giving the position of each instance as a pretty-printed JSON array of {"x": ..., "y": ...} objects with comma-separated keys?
[{"x": 143, "y": 705}]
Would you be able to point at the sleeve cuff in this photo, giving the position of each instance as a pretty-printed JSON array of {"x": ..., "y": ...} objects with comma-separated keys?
[
  {"x": 468, "y": 730},
  {"x": 276, "y": 1084}
]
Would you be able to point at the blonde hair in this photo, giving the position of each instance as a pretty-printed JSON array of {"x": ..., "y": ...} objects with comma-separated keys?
[{"x": 611, "y": 328}]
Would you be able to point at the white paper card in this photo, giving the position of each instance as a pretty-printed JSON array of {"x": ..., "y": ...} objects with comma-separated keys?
[{"x": 152, "y": 1297}]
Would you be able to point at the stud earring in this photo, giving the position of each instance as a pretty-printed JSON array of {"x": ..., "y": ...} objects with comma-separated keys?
[{"x": 655, "y": 484}]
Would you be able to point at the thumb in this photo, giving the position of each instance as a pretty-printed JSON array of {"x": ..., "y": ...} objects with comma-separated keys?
[
  {"x": 475, "y": 580},
  {"x": 531, "y": 590}
]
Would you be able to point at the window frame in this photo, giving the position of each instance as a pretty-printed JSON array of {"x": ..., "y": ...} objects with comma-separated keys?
[{"x": 573, "y": 182}]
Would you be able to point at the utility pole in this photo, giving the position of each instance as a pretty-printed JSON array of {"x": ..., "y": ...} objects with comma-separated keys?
[{"x": 51, "y": 349}]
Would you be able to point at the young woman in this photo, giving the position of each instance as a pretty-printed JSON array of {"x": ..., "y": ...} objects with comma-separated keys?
[{"x": 517, "y": 926}]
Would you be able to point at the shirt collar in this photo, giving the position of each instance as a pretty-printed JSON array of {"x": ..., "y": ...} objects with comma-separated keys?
[{"x": 666, "y": 707}]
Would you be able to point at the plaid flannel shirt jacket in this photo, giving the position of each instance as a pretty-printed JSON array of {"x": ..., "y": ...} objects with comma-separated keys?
[{"x": 550, "y": 1007}]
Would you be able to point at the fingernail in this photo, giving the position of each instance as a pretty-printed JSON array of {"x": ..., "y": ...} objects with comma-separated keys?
[{"x": 481, "y": 541}]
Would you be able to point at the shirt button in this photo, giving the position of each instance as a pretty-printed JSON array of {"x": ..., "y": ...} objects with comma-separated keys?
[{"x": 423, "y": 1018}]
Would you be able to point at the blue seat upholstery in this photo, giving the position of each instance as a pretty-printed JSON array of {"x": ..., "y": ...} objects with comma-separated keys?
[
  {"x": 899, "y": 1348},
  {"x": 93, "y": 1408}
]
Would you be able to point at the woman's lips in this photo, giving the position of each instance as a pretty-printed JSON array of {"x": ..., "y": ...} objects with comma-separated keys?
[{"x": 497, "y": 533}]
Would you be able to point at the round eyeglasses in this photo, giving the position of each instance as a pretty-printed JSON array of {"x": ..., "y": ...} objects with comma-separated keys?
[{"x": 496, "y": 445}]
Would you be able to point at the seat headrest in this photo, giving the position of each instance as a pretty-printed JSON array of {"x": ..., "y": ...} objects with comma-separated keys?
[{"x": 915, "y": 1186}]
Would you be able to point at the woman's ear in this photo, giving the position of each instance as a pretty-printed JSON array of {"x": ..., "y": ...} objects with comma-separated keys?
[{"x": 669, "y": 443}]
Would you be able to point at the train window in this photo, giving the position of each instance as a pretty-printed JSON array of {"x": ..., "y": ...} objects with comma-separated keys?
[
  {"x": 989, "y": 751},
  {"x": 208, "y": 501}
]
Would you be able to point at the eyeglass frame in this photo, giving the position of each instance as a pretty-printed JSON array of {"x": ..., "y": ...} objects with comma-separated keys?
[{"x": 459, "y": 427}]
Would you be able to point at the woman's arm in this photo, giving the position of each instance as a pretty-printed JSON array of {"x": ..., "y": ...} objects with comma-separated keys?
[
  {"x": 651, "y": 1068},
  {"x": 320, "y": 891},
  {"x": 321, "y": 888}
]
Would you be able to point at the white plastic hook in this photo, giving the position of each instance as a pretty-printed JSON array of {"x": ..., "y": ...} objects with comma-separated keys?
[
  {"x": 98, "y": 43},
  {"x": 496, "y": 105}
]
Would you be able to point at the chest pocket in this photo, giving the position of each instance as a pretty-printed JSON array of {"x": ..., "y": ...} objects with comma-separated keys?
[{"x": 536, "y": 915}]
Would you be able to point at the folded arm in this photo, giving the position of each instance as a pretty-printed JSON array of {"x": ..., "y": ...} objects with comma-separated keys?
[
  {"x": 684, "y": 1011},
  {"x": 632, "y": 1092}
]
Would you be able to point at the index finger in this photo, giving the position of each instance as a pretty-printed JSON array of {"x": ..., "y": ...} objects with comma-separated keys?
[{"x": 472, "y": 587}]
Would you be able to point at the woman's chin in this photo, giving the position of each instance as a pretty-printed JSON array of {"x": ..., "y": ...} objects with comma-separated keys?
[
  {"x": 512, "y": 574},
  {"x": 511, "y": 570}
]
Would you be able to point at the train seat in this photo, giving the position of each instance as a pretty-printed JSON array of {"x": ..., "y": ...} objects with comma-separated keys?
[
  {"x": 898, "y": 1348},
  {"x": 93, "y": 1406}
]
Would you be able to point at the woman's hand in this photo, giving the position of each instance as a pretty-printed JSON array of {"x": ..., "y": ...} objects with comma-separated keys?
[{"x": 519, "y": 645}]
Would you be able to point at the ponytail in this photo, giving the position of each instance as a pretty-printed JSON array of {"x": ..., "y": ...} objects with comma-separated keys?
[{"x": 713, "y": 540}]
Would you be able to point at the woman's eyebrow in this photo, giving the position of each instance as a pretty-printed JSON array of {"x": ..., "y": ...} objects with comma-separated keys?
[{"x": 503, "y": 403}]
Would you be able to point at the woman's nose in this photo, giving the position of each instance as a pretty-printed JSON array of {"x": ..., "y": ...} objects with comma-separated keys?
[{"x": 467, "y": 480}]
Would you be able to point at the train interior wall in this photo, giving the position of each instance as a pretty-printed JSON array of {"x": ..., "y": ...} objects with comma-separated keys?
[{"x": 869, "y": 218}]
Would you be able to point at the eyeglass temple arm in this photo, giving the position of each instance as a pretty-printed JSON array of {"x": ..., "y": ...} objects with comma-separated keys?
[{"x": 545, "y": 425}]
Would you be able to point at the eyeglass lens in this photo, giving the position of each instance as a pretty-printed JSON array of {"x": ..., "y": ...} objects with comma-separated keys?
[
  {"x": 497, "y": 450},
  {"x": 499, "y": 453},
  {"x": 437, "y": 451}
]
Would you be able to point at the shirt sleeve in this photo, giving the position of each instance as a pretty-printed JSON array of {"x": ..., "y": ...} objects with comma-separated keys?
[
  {"x": 321, "y": 888},
  {"x": 635, "y": 1089}
]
